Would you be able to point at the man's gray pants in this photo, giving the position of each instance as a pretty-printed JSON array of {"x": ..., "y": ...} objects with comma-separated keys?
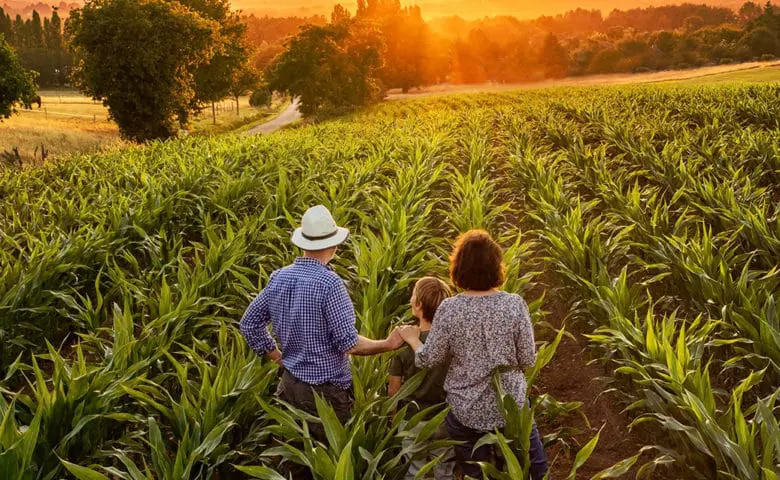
[{"x": 444, "y": 470}]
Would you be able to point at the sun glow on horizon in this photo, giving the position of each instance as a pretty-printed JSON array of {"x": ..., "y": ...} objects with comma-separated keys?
[{"x": 468, "y": 9}]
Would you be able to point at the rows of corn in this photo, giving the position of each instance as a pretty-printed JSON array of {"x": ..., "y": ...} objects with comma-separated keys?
[{"x": 652, "y": 213}]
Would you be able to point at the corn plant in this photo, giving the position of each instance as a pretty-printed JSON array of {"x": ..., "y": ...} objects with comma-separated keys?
[{"x": 652, "y": 210}]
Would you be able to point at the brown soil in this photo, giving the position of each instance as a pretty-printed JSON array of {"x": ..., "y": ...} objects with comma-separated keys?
[{"x": 570, "y": 377}]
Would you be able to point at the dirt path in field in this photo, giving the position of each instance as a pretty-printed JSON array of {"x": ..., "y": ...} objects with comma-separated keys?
[
  {"x": 288, "y": 116},
  {"x": 570, "y": 377}
]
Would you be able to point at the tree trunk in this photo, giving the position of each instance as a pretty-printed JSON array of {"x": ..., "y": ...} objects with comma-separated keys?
[
  {"x": 214, "y": 113},
  {"x": 237, "y": 112}
]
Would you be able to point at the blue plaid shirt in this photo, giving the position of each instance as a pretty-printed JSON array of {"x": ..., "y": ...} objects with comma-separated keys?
[{"x": 313, "y": 318}]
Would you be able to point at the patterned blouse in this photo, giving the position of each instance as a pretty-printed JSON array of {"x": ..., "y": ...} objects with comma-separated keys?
[{"x": 477, "y": 335}]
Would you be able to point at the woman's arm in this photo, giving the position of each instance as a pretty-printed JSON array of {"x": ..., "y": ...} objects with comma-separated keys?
[
  {"x": 524, "y": 339},
  {"x": 436, "y": 349}
]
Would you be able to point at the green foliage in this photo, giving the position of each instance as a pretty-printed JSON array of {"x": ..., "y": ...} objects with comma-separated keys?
[
  {"x": 652, "y": 210},
  {"x": 140, "y": 59},
  {"x": 680, "y": 299},
  {"x": 220, "y": 74},
  {"x": 261, "y": 97},
  {"x": 17, "y": 85},
  {"x": 333, "y": 67}
]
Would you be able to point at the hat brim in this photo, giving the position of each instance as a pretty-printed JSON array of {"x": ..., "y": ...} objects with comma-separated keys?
[{"x": 313, "y": 245}]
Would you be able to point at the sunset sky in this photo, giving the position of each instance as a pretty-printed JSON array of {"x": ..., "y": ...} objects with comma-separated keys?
[{"x": 464, "y": 8}]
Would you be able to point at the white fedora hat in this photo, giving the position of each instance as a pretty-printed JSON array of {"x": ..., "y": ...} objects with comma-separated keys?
[{"x": 318, "y": 230}]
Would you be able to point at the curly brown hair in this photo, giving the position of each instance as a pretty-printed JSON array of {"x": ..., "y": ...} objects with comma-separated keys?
[{"x": 477, "y": 262}]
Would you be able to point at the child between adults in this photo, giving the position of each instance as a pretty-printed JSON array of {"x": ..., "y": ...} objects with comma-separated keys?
[
  {"x": 428, "y": 294},
  {"x": 476, "y": 333}
]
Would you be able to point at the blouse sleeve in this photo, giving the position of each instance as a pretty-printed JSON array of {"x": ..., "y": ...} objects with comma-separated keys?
[
  {"x": 524, "y": 339},
  {"x": 436, "y": 348}
]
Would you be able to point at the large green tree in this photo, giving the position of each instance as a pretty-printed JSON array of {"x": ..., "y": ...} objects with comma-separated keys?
[
  {"x": 244, "y": 80},
  {"x": 214, "y": 78},
  {"x": 331, "y": 67},
  {"x": 554, "y": 57},
  {"x": 408, "y": 43},
  {"x": 140, "y": 57},
  {"x": 17, "y": 85}
]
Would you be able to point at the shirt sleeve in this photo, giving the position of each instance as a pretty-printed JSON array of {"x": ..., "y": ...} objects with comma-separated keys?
[
  {"x": 340, "y": 318},
  {"x": 397, "y": 364},
  {"x": 436, "y": 348},
  {"x": 254, "y": 325},
  {"x": 524, "y": 339}
]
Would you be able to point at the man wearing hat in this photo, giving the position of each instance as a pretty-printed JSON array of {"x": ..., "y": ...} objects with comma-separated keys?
[{"x": 313, "y": 318}]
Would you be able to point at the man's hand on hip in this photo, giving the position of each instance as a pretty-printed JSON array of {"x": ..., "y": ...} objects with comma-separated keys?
[{"x": 275, "y": 356}]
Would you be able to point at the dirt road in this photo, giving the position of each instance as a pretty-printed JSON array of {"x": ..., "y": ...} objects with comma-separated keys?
[
  {"x": 291, "y": 114},
  {"x": 288, "y": 116}
]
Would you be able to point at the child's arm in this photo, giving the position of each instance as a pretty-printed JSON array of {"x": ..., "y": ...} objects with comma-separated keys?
[
  {"x": 394, "y": 385},
  {"x": 397, "y": 367}
]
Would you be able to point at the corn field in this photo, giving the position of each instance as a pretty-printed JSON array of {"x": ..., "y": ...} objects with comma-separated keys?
[{"x": 652, "y": 212}]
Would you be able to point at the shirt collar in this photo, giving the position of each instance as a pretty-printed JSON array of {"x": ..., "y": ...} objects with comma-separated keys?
[{"x": 309, "y": 261}]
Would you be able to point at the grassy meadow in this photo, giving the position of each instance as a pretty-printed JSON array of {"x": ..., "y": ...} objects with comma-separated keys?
[
  {"x": 757, "y": 74},
  {"x": 69, "y": 123},
  {"x": 641, "y": 223}
]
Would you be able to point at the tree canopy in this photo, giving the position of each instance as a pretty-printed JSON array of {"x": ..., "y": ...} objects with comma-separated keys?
[
  {"x": 139, "y": 57},
  {"x": 330, "y": 67},
  {"x": 17, "y": 85},
  {"x": 215, "y": 77}
]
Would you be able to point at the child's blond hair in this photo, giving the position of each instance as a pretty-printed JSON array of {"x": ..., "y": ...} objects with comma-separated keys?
[{"x": 429, "y": 292}]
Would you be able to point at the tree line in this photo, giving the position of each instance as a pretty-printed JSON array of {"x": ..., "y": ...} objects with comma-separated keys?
[
  {"x": 385, "y": 46},
  {"x": 40, "y": 45},
  {"x": 624, "y": 42},
  {"x": 154, "y": 63}
]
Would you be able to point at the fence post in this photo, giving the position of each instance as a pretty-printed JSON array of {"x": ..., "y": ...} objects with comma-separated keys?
[
  {"x": 46, "y": 113},
  {"x": 94, "y": 118}
]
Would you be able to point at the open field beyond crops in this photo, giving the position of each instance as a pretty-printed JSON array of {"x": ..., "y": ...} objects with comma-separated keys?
[
  {"x": 643, "y": 220},
  {"x": 751, "y": 72},
  {"x": 68, "y": 122}
]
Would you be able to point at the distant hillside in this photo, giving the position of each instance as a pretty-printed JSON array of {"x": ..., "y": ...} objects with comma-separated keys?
[
  {"x": 25, "y": 8},
  {"x": 467, "y": 9}
]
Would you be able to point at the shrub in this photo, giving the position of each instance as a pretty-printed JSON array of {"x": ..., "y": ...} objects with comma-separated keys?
[
  {"x": 261, "y": 97},
  {"x": 16, "y": 83}
]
